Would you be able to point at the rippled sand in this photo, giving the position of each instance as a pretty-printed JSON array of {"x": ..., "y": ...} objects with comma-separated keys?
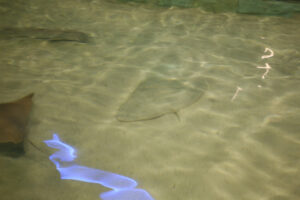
[{"x": 230, "y": 144}]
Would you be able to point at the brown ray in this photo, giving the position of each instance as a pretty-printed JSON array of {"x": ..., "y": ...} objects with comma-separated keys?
[
  {"x": 52, "y": 35},
  {"x": 13, "y": 121}
]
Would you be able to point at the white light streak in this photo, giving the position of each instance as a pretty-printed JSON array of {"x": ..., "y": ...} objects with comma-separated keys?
[
  {"x": 267, "y": 67},
  {"x": 268, "y": 56},
  {"x": 238, "y": 89}
]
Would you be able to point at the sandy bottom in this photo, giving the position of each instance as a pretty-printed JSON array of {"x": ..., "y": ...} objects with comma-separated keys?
[{"x": 238, "y": 139}]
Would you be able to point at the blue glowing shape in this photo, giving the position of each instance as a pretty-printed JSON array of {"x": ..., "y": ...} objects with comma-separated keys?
[
  {"x": 128, "y": 194},
  {"x": 123, "y": 188}
]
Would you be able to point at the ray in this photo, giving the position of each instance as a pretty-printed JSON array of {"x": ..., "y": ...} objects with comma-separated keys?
[
  {"x": 52, "y": 35},
  {"x": 14, "y": 117},
  {"x": 156, "y": 96}
]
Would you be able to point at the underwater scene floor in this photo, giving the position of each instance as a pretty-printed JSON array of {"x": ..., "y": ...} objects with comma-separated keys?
[{"x": 187, "y": 104}]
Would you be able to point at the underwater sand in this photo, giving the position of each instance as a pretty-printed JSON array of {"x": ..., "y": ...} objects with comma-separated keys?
[{"x": 212, "y": 145}]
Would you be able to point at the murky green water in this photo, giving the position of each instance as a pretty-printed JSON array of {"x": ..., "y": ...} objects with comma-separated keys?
[{"x": 196, "y": 137}]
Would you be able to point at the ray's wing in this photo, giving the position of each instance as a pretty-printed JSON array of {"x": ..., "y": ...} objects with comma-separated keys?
[{"x": 14, "y": 117}]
